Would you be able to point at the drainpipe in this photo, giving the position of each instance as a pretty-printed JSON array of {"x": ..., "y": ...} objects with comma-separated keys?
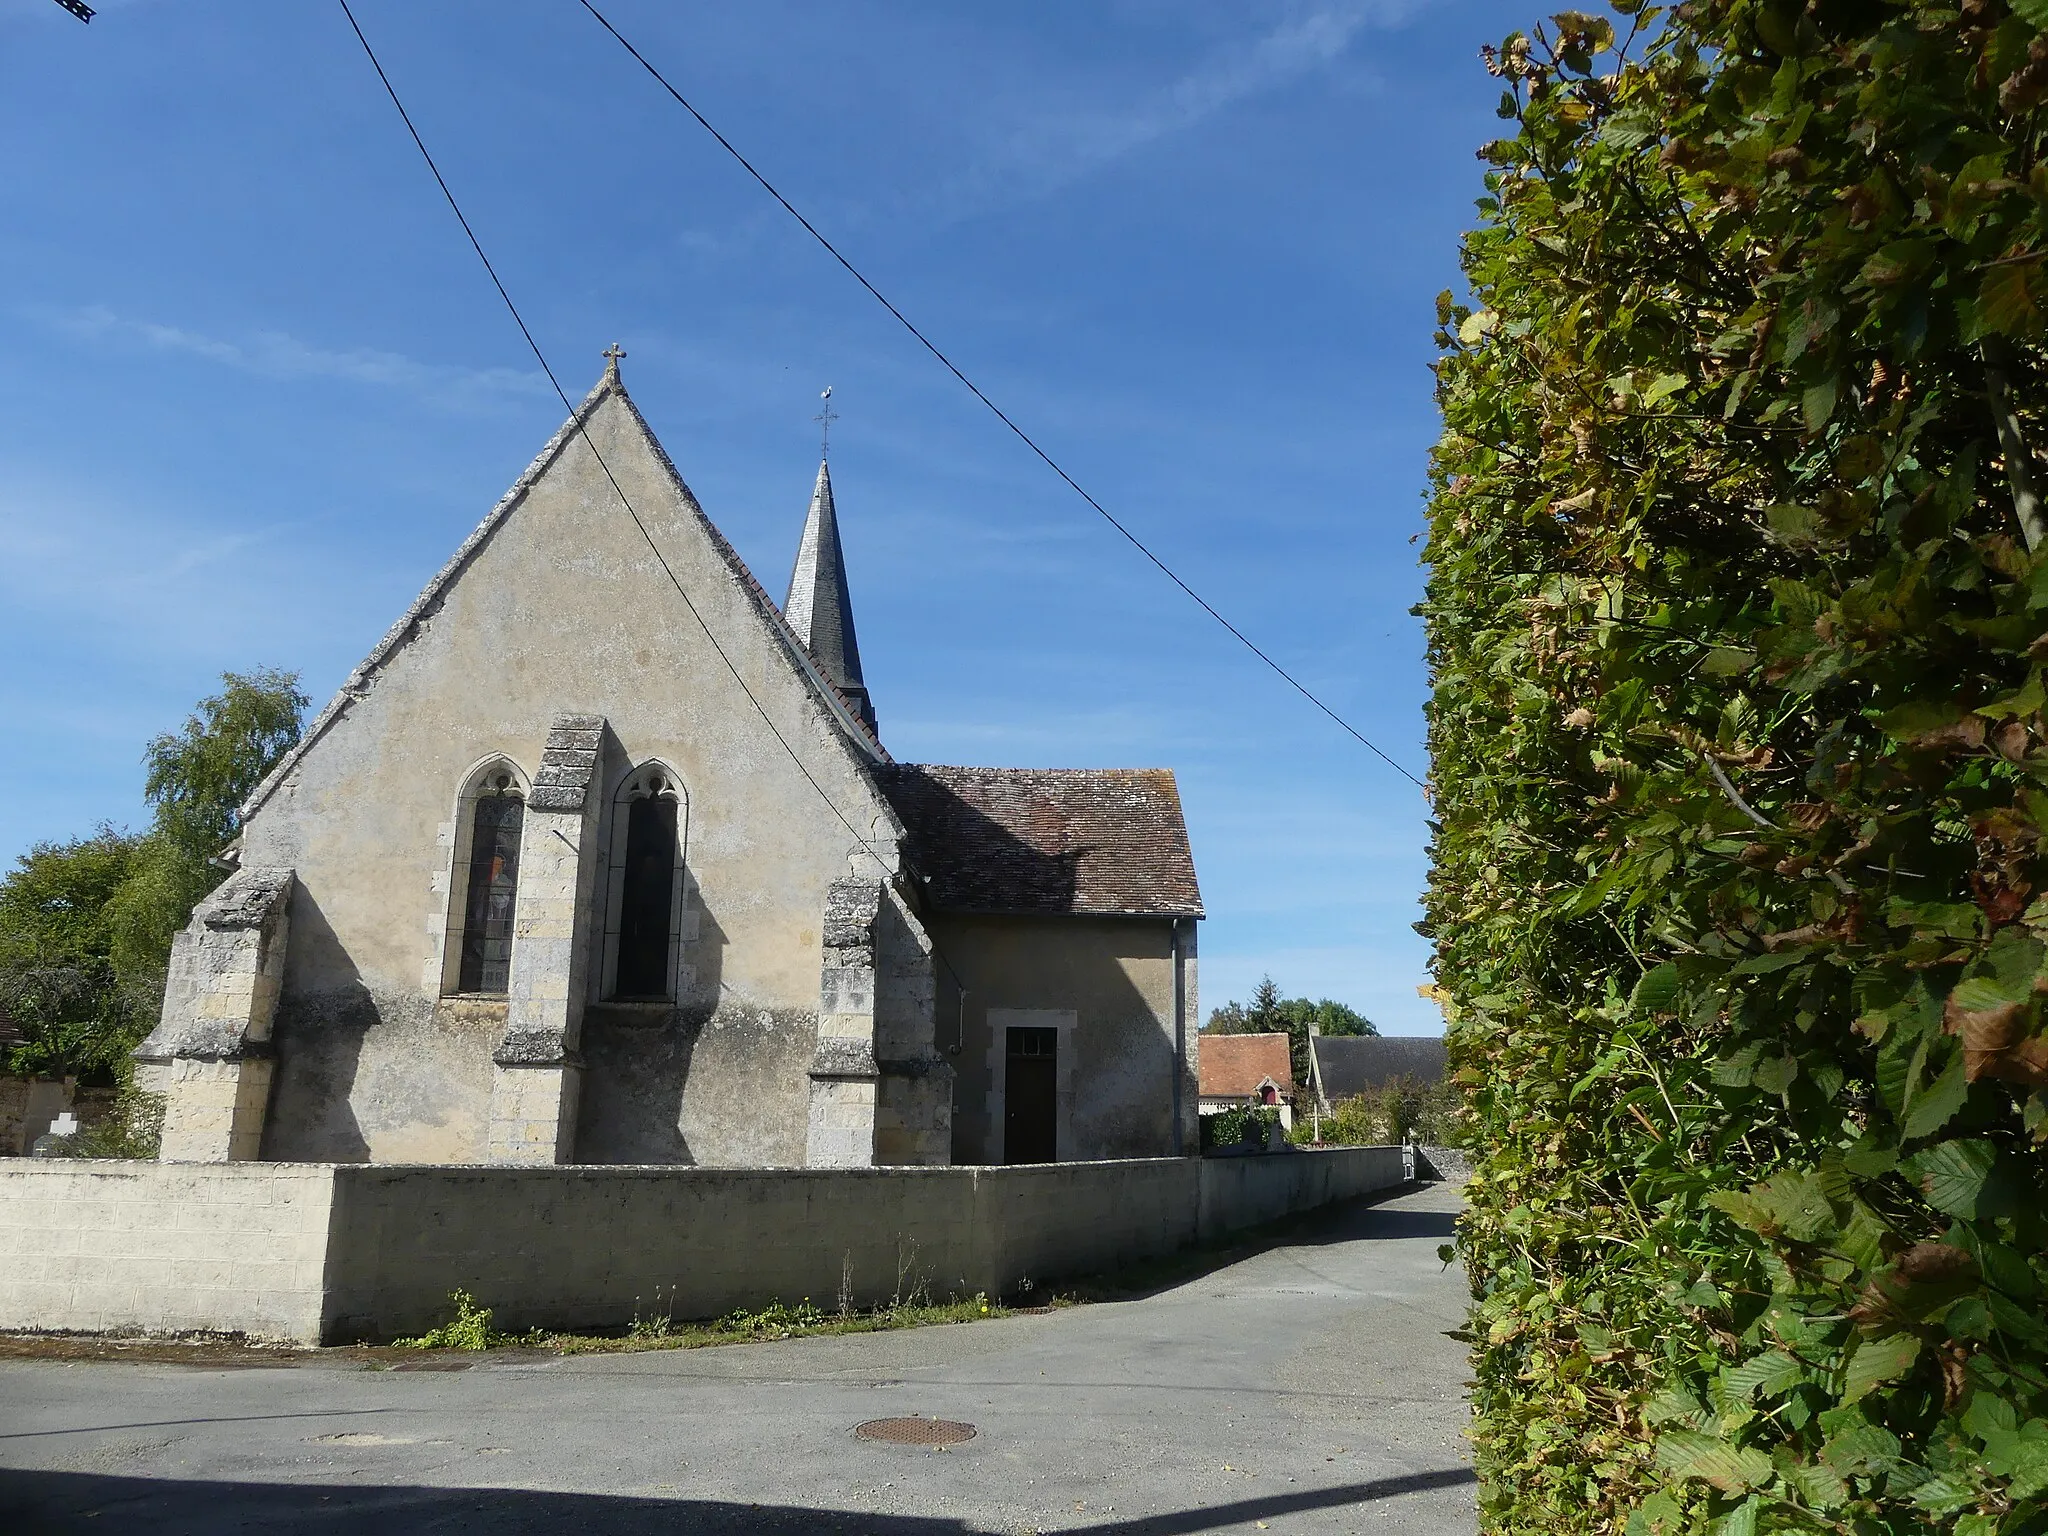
[{"x": 1180, "y": 1034}]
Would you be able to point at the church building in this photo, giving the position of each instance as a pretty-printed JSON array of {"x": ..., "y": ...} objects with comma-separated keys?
[{"x": 599, "y": 858}]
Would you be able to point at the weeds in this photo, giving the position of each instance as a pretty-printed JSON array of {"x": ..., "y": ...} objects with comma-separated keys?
[{"x": 471, "y": 1327}]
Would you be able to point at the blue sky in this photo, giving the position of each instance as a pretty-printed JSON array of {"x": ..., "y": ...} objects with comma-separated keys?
[{"x": 254, "y": 387}]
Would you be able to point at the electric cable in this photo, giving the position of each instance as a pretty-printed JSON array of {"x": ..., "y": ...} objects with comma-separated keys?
[
  {"x": 576, "y": 417},
  {"x": 974, "y": 389}
]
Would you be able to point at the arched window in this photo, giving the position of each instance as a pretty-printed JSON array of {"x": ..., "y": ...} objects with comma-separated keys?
[
  {"x": 644, "y": 917},
  {"x": 481, "y": 880},
  {"x": 492, "y": 887}
]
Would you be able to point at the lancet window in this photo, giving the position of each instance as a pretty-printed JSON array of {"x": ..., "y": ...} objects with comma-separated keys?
[
  {"x": 643, "y": 926},
  {"x": 497, "y": 818}
]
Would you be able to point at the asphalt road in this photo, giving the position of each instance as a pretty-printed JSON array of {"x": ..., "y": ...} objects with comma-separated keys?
[{"x": 1307, "y": 1388}]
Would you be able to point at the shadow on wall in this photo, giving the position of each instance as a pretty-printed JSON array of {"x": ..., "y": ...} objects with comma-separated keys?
[
  {"x": 48, "y": 1503},
  {"x": 722, "y": 1086},
  {"x": 635, "y": 1063},
  {"x": 322, "y": 1019},
  {"x": 636, "y": 1058},
  {"x": 367, "y": 1076}
]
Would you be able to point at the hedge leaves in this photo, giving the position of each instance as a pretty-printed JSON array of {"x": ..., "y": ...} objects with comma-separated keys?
[{"x": 1739, "y": 630}]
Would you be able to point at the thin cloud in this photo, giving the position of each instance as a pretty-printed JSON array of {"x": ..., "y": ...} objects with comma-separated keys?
[
  {"x": 278, "y": 355},
  {"x": 1057, "y": 148}
]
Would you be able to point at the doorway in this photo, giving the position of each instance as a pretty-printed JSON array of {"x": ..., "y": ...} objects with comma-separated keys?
[{"x": 1031, "y": 1090}]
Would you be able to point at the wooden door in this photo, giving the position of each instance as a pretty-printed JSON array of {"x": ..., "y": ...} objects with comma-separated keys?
[{"x": 1031, "y": 1085}]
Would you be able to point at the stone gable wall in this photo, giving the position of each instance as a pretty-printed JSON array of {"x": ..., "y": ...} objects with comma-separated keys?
[{"x": 560, "y": 608}]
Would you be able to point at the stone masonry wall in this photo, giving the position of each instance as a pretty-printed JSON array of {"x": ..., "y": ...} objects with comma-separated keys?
[
  {"x": 105, "y": 1247},
  {"x": 311, "y": 1251}
]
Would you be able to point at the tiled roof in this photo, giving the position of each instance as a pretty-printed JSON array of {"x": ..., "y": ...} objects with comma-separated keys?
[
  {"x": 1233, "y": 1066},
  {"x": 1355, "y": 1064},
  {"x": 1047, "y": 840}
]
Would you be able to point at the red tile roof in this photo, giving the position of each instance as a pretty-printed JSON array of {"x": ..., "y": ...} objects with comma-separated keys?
[
  {"x": 1047, "y": 840},
  {"x": 1233, "y": 1066}
]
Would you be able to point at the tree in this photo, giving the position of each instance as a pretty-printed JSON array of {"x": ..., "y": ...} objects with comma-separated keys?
[
  {"x": 1740, "y": 769},
  {"x": 86, "y": 926},
  {"x": 58, "y": 986},
  {"x": 1270, "y": 1013},
  {"x": 199, "y": 778}
]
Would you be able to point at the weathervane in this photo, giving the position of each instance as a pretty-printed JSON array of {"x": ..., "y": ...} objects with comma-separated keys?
[{"x": 825, "y": 417}]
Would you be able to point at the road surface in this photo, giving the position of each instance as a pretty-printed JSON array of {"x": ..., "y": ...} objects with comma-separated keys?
[{"x": 1308, "y": 1388}]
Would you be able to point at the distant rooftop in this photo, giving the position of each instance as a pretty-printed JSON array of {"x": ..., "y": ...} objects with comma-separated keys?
[
  {"x": 1235, "y": 1066},
  {"x": 1355, "y": 1064}
]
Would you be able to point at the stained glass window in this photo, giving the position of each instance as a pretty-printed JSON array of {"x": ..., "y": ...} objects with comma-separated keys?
[{"x": 493, "y": 889}]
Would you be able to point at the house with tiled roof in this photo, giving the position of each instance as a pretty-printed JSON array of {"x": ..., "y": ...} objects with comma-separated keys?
[
  {"x": 1238, "y": 1070},
  {"x": 1345, "y": 1066},
  {"x": 599, "y": 857}
]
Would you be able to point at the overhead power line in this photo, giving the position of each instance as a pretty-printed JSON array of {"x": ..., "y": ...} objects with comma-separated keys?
[
  {"x": 975, "y": 390},
  {"x": 582, "y": 430},
  {"x": 861, "y": 839}
]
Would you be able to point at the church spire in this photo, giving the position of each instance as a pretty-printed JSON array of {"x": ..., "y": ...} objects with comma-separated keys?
[{"x": 820, "y": 609}]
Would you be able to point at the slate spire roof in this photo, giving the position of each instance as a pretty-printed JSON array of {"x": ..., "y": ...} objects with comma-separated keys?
[{"x": 820, "y": 609}]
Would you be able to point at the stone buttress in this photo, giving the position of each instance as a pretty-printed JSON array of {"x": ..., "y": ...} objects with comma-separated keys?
[
  {"x": 880, "y": 1093},
  {"x": 536, "y": 1075},
  {"x": 841, "y": 1131},
  {"x": 210, "y": 1054}
]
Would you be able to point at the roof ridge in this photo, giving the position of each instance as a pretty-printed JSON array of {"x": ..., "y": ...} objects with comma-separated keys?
[
  {"x": 356, "y": 686},
  {"x": 995, "y": 768},
  {"x": 758, "y": 595},
  {"x": 353, "y": 687}
]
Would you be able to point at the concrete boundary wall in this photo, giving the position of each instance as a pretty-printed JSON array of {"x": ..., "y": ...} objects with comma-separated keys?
[
  {"x": 102, "y": 1247},
  {"x": 339, "y": 1252}
]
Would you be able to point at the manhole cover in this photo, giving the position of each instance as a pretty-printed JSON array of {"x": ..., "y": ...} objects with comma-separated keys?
[{"x": 915, "y": 1431}]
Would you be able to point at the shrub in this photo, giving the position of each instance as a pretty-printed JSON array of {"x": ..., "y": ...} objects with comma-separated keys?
[
  {"x": 132, "y": 1128},
  {"x": 1239, "y": 1125},
  {"x": 1738, "y": 623},
  {"x": 1402, "y": 1111}
]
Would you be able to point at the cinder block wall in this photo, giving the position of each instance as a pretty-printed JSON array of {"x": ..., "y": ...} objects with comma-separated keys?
[
  {"x": 341, "y": 1252},
  {"x": 106, "y": 1247}
]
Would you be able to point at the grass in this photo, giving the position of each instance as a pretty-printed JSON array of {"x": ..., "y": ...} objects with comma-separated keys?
[{"x": 471, "y": 1327}]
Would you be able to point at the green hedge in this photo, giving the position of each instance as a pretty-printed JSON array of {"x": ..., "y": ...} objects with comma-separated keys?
[
  {"x": 1240, "y": 1123},
  {"x": 1738, "y": 625}
]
